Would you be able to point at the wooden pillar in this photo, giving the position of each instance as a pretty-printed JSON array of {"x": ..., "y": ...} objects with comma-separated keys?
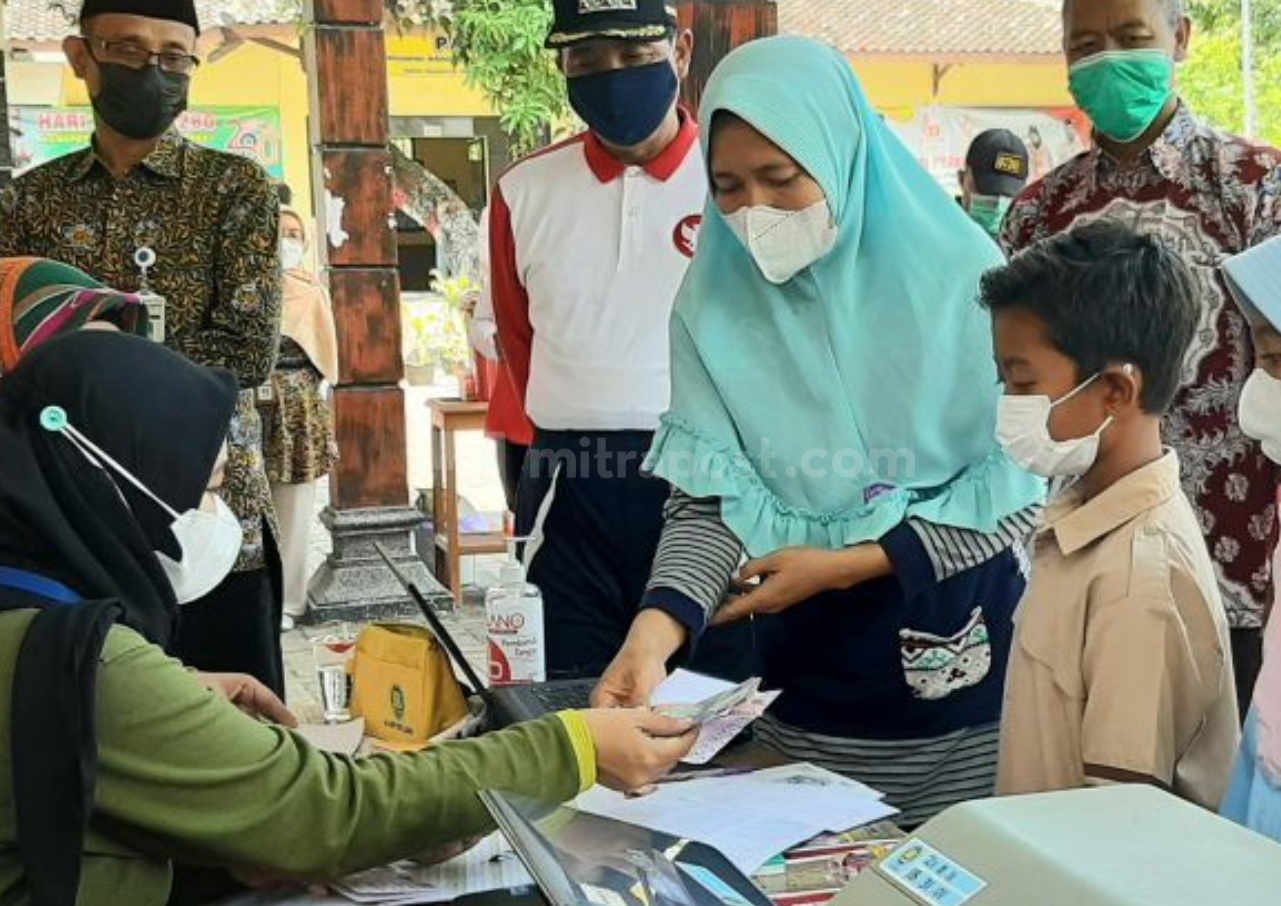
[
  {"x": 6, "y": 148},
  {"x": 346, "y": 63},
  {"x": 719, "y": 26}
]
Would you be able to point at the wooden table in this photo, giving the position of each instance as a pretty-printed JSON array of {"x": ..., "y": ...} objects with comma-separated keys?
[
  {"x": 884, "y": 834},
  {"x": 448, "y": 417}
]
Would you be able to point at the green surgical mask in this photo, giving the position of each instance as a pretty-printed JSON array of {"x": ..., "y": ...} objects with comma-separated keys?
[
  {"x": 1123, "y": 91},
  {"x": 989, "y": 211}
]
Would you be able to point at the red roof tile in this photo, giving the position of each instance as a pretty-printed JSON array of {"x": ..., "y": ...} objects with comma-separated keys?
[
  {"x": 928, "y": 27},
  {"x": 43, "y": 20}
]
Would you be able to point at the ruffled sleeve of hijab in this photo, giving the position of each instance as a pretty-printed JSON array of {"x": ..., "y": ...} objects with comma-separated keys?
[{"x": 696, "y": 449}]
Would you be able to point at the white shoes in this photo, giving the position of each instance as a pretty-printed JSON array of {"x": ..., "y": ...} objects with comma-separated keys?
[{"x": 286, "y": 623}]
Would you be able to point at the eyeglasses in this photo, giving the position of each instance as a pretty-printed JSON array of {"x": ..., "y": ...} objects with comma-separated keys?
[{"x": 135, "y": 56}]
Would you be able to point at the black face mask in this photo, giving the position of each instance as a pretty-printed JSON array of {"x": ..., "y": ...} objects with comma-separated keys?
[{"x": 140, "y": 103}]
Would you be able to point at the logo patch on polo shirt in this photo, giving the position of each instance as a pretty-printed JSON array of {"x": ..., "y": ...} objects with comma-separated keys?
[
  {"x": 685, "y": 236},
  {"x": 604, "y": 6}
]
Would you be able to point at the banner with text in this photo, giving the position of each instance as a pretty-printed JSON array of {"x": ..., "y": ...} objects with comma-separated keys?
[
  {"x": 41, "y": 134},
  {"x": 941, "y": 136}
]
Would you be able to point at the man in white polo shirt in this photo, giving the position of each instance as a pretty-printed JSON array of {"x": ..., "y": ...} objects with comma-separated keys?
[{"x": 589, "y": 242}]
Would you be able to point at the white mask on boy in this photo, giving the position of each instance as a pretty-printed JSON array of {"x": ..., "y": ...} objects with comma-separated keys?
[{"x": 1023, "y": 430}]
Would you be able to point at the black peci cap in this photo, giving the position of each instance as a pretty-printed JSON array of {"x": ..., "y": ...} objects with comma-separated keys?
[
  {"x": 624, "y": 20},
  {"x": 183, "y": 11},
  {"x": 998, "y": 159}
]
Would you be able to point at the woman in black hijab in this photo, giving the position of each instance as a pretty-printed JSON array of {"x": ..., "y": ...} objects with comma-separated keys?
[
  {"x": 65, "y": 536},
  {"x": 118, "y": 751}
]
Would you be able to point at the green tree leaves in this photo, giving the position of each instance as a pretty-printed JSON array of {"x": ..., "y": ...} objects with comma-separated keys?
[
  {"x": 1213, "y": 81},
  {"x": 499, "y": 43}
]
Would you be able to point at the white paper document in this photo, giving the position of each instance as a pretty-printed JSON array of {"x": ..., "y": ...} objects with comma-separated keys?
[
  {"x": 750, "y": 818},
  {"x": 340, "y": 739},
  {"x": 490, "y": 865}
]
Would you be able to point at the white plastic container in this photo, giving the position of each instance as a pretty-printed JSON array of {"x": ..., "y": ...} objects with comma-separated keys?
[{"x": 517, "y": 637}]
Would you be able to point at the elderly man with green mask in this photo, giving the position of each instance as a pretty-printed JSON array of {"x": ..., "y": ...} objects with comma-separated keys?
[{"x": 1209, "y": 195}]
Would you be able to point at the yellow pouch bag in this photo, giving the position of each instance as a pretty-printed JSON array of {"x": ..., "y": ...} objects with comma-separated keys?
[{"x": 403, "y": 685}]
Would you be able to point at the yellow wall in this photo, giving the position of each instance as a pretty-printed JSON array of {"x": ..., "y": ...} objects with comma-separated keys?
[
  {"x": 424, "y": 82},
  {"x": 899, "y": 87},
  {"x": 33, "y": 84}
]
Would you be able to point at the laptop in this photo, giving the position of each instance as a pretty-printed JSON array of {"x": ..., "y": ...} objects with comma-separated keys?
[
  {"x": 577, "y": 859},
  {"x": 507, "y": 704}
]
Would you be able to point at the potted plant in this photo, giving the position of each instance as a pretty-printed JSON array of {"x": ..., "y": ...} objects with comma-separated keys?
[
  {"x": 454, "y": 349},
  {"x": 420, "y": 358},
  {"x": 435, "y": 339}
]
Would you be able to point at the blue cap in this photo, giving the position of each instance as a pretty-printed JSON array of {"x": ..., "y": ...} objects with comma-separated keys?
[{"x": 1254, "y": 277}]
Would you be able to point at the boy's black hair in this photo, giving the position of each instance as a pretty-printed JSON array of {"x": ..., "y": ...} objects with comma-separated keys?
[{"x": 1107, "y": 295}]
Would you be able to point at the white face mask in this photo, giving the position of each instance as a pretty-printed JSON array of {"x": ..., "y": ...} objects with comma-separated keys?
[
  {"x": 292, "y": 252},
  {"x": 209, "y": 540},
  {"x": 1023, "y": 430},
  {"x": 210, "y": 544},
  {"x": 1260, "y": 412},
  {"x": 784, "y": 243}
]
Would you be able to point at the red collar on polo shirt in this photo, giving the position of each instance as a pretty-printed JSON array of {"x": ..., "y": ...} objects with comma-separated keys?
[{"x": 608, "y": 168}]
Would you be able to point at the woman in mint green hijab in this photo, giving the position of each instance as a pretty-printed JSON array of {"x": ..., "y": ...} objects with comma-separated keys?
[{"x": 832, "y": 416}]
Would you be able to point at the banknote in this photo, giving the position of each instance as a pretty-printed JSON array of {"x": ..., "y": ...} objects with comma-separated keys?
[{"x": 715, "y": 706}]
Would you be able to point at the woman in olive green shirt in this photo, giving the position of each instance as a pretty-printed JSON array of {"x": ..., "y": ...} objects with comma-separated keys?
[{"x": 119, "y": 761}]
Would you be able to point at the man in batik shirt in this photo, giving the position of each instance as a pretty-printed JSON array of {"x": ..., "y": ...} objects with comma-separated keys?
[
  {"x": 208, "y": 224},
  {"x": 1209, "y": 195}
]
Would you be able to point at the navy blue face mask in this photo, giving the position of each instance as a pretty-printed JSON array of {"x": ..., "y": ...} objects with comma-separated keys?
[{"x": 625, "y": 106}]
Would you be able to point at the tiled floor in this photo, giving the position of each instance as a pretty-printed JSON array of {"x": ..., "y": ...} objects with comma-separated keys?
[{"x": 480, "y": 488}]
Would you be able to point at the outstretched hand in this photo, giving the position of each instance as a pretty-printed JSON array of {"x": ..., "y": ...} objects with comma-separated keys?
[{"x": 788, "y": 577}]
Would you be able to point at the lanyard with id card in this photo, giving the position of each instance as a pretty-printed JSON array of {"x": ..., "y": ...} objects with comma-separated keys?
[{"x": 145, "y": 259}]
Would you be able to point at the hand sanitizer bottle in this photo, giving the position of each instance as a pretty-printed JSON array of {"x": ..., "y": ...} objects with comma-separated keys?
[{"x": 514, "y": 616}]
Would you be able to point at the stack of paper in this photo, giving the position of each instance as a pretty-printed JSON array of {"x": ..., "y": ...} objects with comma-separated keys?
[
  {"x": 749, "y": 817},
  {"x": 491, "y": 865},
  {"x": 813, "y": 873}
]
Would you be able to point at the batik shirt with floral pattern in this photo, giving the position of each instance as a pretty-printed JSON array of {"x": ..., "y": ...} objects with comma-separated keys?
[
  {"x": 212, "y": 220},
  {"x": 1209, "y": 196}
]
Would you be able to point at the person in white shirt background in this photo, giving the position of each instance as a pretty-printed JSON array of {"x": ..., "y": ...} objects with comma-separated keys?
[
  {"x": 589, "y": 242},
  {"x": 505, "y": 422}
]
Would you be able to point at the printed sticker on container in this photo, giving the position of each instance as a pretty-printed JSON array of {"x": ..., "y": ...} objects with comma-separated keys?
[{"x": 929, "y": 876}]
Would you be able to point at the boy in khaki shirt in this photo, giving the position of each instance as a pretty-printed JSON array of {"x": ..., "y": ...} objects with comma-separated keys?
[{"x": 1121, "y": 670}]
